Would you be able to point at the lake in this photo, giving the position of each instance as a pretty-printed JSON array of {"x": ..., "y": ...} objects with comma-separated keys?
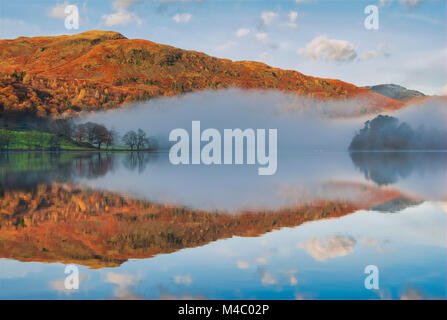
[{"x": 138, "y": 227}]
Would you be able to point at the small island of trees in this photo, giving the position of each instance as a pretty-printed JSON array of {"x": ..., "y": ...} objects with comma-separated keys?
[{"x": 388, "y": 133}]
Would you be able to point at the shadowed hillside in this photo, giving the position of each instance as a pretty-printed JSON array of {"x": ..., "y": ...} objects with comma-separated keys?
[
  {"x": 70, "y": 224},
  {"x": 99, "y": 70}
]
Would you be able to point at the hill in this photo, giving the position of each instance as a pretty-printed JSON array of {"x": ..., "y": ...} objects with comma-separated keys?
[
  {"x": 396, "y": 92},
  {"x": 98, "y": 70}
]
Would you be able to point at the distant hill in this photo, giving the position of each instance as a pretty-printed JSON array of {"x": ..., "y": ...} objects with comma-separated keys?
[
  {"x": 396, "y": 92},
  {"x": 97, "y": 70}
]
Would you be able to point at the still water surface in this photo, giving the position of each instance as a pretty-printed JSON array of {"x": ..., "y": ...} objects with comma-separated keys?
[{"x": 138, "y": 227}]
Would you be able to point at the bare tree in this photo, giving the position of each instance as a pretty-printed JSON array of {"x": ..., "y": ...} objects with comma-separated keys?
[
  {"x": 90, "y": 131},
  {"x": 130, "y": 139},
  {"x": 142, "y": 140},
  {"x": 111, "y": 137}
]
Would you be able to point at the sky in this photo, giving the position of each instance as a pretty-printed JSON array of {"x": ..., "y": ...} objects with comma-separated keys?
[{"x": 324, "y": 38}]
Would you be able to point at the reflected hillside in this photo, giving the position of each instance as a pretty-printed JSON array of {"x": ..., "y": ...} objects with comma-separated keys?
[
  {"x": 389, "y": 167},
  {"x": 70, "y": 224}
]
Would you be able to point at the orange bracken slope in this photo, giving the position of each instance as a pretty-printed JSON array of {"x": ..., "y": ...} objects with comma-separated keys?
[{"x": 99, "y": 70}]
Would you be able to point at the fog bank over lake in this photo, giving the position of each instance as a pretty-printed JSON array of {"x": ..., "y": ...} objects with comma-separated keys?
[
  {"x": 303, "y": 123},
  {"x": 300, "y": 121}
]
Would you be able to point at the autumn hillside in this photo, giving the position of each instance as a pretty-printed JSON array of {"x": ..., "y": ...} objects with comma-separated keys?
[{"x": 98, "y": 70}]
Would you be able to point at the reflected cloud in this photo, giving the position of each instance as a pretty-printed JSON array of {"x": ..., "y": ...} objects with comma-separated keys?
[
  {"x": 124, "y": 285},
  {"x": 261, "y": 260},
  {"x": 183, "y": 280},
  {"x": 165, "y": 294},
  {"x": 59, "y": 285},
  {"x": 292, "y": 277},
  {"x": 330, "y": 247},
  {"x": 267, "y": 278},
  {"x": 413, "y": 294},
  {"x": 369, "y": 242},
  {"x": 243, "y": 265}
]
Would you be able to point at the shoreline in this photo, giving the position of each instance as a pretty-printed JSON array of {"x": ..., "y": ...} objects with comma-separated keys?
[{"x": 70, "y": 150}]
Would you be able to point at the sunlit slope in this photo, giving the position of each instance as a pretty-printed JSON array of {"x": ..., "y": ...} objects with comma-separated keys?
[{"x": 98, "y": 70}]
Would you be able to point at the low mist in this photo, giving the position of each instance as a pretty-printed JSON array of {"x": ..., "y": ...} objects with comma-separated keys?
[
  {"x": 300, "y": 121},
  {"x": 432, "y": 113},
  {"x": 303, "y": 124}
]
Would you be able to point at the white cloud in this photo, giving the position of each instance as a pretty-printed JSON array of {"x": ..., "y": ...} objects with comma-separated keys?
[
  {"x": 383, "y": 3},
  {"x": 182, "y": 17},
  {"x": 267, "y": 17},
  {"x": 126, "y": 3},
  {"x": 123, "y": 14},
  {"x": 265, "y": 56},
  {"x": 368, "y": 55},
  {"x": 122, "y": 17},
  {"x": 293, "y": 15},
  {"x": 243, "y": 265},
  {"x": 242, "y": 32},
  {"x": 261, "y": 36},
  {"x": 185, "y": 280},
  {"x": 382, "y": 51},
  {"x": 58, "y": 11},
  {"x": 329, "y": 49},
  {"x": 330, "y": 247},
  {"x": 411, "y": 3},
  {"x": 226, "y": 45}
]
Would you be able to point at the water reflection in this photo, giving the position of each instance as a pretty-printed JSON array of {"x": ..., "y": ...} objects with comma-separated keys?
[
  {"x": 71, "y": 224},
  {"x": 209, "y": 232},
  {"x": 389, "y": 167},
  {"x": 27, "y": 169}
]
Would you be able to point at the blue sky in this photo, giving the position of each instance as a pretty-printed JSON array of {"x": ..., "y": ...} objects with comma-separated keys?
[{"x": 325, "y": 38}]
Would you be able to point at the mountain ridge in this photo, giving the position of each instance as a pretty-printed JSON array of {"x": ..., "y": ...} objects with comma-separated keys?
[{"x": 100, "y": 70}]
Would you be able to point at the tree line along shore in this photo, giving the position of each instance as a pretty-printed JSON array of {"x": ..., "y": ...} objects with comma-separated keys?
[{"x": 66, "y": 135}]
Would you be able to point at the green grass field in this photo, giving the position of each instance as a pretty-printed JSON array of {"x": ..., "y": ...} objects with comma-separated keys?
[{"x": 36, "y": 140}]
